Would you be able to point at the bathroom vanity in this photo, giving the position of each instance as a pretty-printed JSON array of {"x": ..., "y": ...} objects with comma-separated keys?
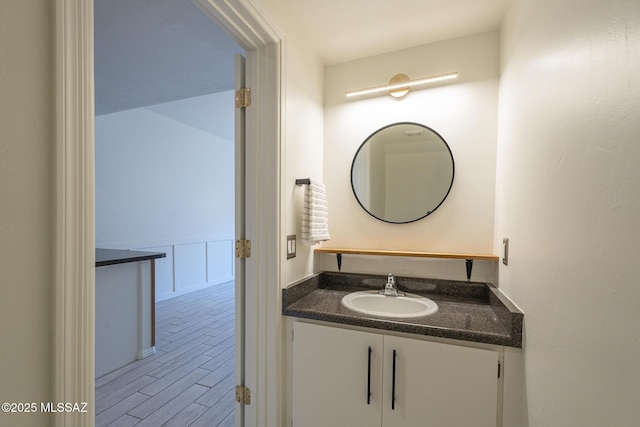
[
  {"x": 360, "y": 358},
  {"x": 443, "y": 369},
  {"x": 124, "y": 307}
]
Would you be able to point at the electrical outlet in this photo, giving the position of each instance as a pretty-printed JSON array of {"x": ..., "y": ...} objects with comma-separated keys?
[{"x": 505, "y": 251}]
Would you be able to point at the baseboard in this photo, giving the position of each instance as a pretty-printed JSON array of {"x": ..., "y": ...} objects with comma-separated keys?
[
  {"x": 190, "y": 289},
  {"x": 146, "y": 353}
]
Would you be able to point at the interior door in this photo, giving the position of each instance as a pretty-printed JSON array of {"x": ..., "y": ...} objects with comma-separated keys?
[{"x": 240, "y": 234}]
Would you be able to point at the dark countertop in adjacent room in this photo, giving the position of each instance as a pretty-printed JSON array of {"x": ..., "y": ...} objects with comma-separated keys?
[
  {"x": 121, "y": 256},
  {"x": 468, "y": 311}
]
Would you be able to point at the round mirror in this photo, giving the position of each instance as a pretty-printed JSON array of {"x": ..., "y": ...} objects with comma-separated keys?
[{"x": 402, "y": 172}]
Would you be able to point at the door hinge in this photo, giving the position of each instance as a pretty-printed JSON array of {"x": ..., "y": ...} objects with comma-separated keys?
[
  {"x": 243, "y": 248},
  {"x": 243, "y": 97},
  {"x": 243, "y": 395}
]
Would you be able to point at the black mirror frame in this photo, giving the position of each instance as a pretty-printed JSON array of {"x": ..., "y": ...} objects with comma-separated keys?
[{"x": 453, "y": 172}]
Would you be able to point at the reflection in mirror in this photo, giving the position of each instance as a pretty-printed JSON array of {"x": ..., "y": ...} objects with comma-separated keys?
[{"x": 402, "y": 172}]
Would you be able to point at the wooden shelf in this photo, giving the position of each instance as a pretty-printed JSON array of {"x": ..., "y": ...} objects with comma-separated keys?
[
  {"x": 469, "y": 258},
  {"x": 379, "y": 252}
]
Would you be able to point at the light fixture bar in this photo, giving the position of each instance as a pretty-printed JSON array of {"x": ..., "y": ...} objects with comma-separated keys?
[{"x": 404, "y": 85}]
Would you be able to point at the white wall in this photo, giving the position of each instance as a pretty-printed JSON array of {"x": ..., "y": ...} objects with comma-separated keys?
[
  {"x": 302, "y": 134},
  {"x": 165, "y": 182},
  {"x": 27, "y": 206},
  {"x": 568, "y": 198},
  {"x": 464, "y": 113},
  {"x": 302, "y": 150}
]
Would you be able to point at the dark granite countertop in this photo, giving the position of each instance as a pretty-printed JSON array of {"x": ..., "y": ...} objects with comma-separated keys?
[
  {"x": 468, "y": 311},
  {"x": 121, "y": 256}
]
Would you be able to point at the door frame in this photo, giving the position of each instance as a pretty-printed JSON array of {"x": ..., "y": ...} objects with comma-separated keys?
[{"x": 74, "y": 243}]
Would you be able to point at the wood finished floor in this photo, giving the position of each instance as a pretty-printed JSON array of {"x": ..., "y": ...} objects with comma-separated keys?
[{"x": 190, "y": 380}]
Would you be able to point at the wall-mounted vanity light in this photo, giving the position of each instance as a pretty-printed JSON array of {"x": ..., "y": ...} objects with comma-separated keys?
[{"x": 400, "y": 84}]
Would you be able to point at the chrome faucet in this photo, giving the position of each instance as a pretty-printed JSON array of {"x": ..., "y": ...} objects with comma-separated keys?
[{"x": 390, "y": 289}]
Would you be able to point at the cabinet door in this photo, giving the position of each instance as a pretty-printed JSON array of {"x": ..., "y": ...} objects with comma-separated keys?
[
  {"x": 330, "y": 377},
  {"x": 439, "y": 385}
]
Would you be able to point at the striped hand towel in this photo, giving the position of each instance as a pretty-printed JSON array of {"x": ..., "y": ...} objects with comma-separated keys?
[{"x": 315, "y": 213}]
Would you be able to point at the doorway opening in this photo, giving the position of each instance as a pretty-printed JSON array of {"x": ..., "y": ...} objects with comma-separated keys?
[
  {"x": 164, "y": 172},
  {"x": 74, "y": 332}
]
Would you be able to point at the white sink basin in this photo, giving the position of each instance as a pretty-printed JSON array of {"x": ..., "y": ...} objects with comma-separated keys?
[{"x": 371, "y": 302}]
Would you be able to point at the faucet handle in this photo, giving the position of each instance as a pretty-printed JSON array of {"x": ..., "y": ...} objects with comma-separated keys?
[{"x": 391, "y": 279}]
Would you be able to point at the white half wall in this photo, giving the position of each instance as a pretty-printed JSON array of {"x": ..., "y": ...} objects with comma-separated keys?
[
  {"x": 464, "y": 112},
  {"x": 122, "y": 315},
  {"x": 165, "y": 182},
  {"x": 568, "y": 198}
]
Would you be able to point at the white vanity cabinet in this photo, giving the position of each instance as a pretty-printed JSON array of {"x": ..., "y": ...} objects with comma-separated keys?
[
  {"x": 330, "y": 372},
  {"x": 339, "y": 382}
]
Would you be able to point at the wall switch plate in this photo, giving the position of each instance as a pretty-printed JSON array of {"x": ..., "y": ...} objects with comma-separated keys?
[{"x": 291, "y": 246}]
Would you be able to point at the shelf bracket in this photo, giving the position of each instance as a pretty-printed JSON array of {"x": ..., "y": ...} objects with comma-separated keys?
[{"x": 469, "y": 265}]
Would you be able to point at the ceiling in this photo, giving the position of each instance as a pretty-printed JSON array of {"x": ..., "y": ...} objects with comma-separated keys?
[
  {"x": 344, "y": 30},
  {"x": 153, "y": 51}
]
